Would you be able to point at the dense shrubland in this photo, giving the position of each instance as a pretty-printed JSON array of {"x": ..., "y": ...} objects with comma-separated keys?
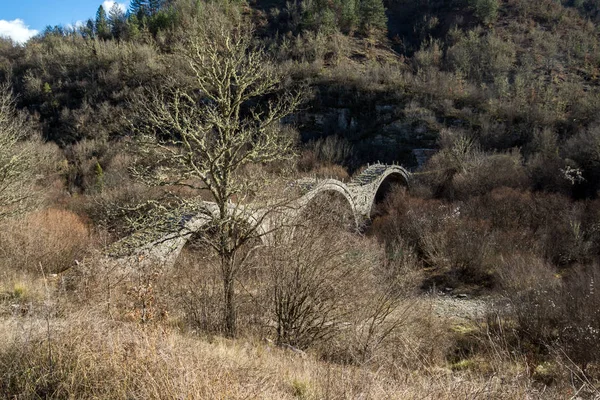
[{"x": 505, "y": 212}]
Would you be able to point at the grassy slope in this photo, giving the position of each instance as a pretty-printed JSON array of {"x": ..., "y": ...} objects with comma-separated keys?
[{"x": 95, "y": 357}]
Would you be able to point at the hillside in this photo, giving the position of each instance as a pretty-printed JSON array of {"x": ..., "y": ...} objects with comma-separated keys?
[{"x": 525, "y": 68}]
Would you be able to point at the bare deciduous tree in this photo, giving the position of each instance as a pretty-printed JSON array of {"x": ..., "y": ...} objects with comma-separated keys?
[
  {"x": 202, "y": 134},
  {"x": 17, "y": 160}
]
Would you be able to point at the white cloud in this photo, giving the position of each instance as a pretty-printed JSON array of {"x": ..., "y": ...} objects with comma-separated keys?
[
  {"x": 78, "y": 24},
  {"x": 16, "y": 30},
  {"x": 109, "y": 3}
]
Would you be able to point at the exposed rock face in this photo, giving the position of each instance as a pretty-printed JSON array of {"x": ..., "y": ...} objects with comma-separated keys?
[{"x": 379, "y": 129}]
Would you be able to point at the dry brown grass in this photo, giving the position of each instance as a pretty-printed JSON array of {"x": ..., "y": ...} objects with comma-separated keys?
[
  {"x": 101, "y": 330},
  {"x": 85, "y": 355},
  {"x": 40, "y": 245},
  {"x": 69, "y": 344}
]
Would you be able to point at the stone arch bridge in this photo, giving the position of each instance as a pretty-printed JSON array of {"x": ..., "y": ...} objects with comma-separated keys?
[{"x": 362, "y": 193}]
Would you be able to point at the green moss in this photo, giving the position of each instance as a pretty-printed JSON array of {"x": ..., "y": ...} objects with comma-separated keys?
[
  {"x": 545, "y": 372},
  {"x": 300, "y": 389},
  {"x": 463, "y": 365},
  {"x": 19, "y": 291},
  {"x": 463, "y": 329}
]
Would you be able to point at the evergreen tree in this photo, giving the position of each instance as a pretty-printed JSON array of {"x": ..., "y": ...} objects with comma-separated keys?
[
  {"x": 133, "y": 27},
  {"x": 88, "y": 30},
  {"x": 139, "y": 8},
  {"x": 372, "y": 16},
  {"x": 485, "y": 10},
  {"x": 117, "y": 21},
  {"x": 349, "y": 15},
  {"x": 56, "y": 30},
  {"x": 99, "y": 172},
  {"x": 102, "y": 28},
  {"x": 154, "y": 6},
  {"x": 161, "y": 21}
]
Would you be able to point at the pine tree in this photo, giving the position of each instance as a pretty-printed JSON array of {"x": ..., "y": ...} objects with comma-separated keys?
[
  {"x": 102, "y": 29},
  {"x": 88, "y": 30},
  {"x": 486, "y": 10},
  {"x": 99, "y": 172},
  {"x": 154, "y": 6},
  {"x": 372, "y": 16},
  {"x": 349, "y": 15},
  {"x": 133, "y": 27},
  {"x": 139, "y": 8},
  {"x": 117, "y": 21}
]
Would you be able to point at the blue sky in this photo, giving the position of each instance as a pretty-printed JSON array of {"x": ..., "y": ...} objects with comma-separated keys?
[{"x": 21, "y": 19}]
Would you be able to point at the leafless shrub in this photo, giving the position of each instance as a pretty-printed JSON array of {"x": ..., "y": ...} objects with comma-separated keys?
[
  {"x": 314, "y": 277},
  {"x": 555, "y": 320},
  {"x": 308, "y": 162},
  {"x": 327, "y": 293},
  {"x": 481, "y": 56},
  {"x": 199, "y": 292},
  {"x": 379, "y": 325},
  {"x": 521, "y": 271},
  {"x": 458, "y": 248},
  {"x": 461, "y": 169},
  {"x": 401, "y": 269},
  {"x": 579, "y": 337},
  {"x": 429, "y": 56},
  {"x": 494, "y": 170},
  {"x": 546, "y": 173},
  {"x": 53, "y": 238},
  {"x": 18, "y": 161},
  {"x": 333, "y": 150},
  {"x": 584, "y": 149}
]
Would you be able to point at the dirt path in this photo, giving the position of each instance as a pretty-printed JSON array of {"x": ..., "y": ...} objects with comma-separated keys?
[{"x": 461, "y": 307}]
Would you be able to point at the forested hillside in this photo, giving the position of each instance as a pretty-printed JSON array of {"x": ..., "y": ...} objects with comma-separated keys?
[
  {"x": 475, "y": 277},
  {"x": 386, "y": 78}
]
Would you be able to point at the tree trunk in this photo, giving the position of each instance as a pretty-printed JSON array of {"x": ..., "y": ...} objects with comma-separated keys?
[{"x": 229, "y": 304}]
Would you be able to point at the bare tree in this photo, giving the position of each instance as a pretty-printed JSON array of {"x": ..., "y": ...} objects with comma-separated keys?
[
  {"x": 202, "y": 134},
  {"x": 17, "y": 158}
]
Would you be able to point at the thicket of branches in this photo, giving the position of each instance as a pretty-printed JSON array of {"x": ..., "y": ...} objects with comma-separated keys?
[
  {"x": 499, "y": 86},
  {"x": 20, "y": 165}
]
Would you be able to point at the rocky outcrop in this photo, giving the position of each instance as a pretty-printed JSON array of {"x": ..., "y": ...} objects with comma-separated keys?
[{"x": 379, "y": 127}]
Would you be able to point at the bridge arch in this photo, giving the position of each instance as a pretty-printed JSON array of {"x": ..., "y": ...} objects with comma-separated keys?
[
  {"x": 329, "y": 186},
  {"x": 392, "y": 177},
  {"x": 362, "y": 195}
]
